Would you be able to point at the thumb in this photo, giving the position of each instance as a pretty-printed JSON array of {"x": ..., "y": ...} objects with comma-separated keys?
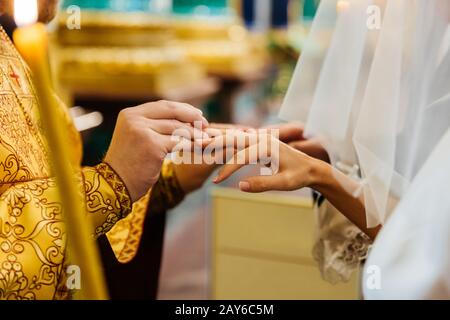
[{"x": 261, "y": 184}]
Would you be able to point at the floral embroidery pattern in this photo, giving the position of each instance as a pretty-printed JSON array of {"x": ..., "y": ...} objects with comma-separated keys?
[
  {"x": 123, "y": 196},
  {"x": 33, "y": 255},
  {"x": 32, "y": 230},
  {"x": 126, "y": 235}
]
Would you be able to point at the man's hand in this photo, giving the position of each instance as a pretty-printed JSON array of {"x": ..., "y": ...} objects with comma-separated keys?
[{"x": 142, "y": 139}]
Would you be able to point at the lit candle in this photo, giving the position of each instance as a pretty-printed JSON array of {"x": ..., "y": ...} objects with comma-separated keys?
[
  {"x": 342, "y": 5},
  {"x": 32, "y": 42}
]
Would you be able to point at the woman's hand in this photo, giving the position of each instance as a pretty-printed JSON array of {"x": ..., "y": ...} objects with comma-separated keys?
[
  {"x": 292, "y": 134},
  {"x": 292, "y": 169},
  {"x": 288, "y": 132}
]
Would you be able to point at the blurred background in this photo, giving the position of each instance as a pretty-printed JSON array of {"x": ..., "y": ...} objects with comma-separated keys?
[{"x": 233, "y": 59}]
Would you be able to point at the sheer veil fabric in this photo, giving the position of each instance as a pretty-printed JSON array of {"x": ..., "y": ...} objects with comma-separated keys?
[
  {"x": 372, "y": 86},
  {"x": 410, "y": 258}
]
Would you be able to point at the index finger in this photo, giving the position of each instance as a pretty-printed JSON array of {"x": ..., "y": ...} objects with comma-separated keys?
[
  {"x": 288, "y": 132},
  {"x": 229, "y": 126},
  {"x": 241, "y": 159},
  {"x": 236, "y": 139},
  {"x": 173, "y": 110}
]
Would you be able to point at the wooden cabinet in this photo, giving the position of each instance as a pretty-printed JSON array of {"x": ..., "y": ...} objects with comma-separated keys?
[{"x": 261, "y": 249}]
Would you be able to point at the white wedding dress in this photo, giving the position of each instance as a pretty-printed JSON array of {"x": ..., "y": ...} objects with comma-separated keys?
[{"x": 340, "y": 246}]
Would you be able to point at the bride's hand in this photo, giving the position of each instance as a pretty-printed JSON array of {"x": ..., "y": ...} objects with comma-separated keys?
[
  {"x": 291, "y": 168},
  {"x": 292, "y": 133}
]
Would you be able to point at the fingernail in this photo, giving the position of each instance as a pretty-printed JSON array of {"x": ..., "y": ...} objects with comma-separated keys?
[
  {"x": 205, "y": 122},
  {"x": 244, "y": 186},
  {"x": 216, "y": 179}
]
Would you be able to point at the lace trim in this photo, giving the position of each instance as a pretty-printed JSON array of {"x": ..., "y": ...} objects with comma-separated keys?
[{"x": 339, "y": 258}]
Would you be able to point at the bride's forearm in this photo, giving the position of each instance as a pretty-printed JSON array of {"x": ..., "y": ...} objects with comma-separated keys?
[{"x": 339, "y": 190}]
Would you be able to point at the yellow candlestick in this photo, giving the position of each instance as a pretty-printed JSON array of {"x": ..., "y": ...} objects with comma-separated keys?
[{"x": 32, "y": 43}]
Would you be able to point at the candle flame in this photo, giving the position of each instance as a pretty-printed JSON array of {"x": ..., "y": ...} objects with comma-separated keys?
[
  {"x": 25, "y": 12},
  {"x": 342, "y": 5}
]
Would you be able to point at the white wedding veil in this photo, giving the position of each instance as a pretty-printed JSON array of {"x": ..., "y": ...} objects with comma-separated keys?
[
  {"x": 410, "y": 258},
  {"x": 372, "y": 84}
]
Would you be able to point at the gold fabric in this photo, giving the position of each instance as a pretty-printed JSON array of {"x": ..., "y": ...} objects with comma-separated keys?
[
  {"x": 166, "y": 194},
  {"x": 33, "y": 253}
]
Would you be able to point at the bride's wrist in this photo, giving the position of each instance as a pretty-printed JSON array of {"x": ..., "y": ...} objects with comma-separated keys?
[{"x": 319, "y": 174}]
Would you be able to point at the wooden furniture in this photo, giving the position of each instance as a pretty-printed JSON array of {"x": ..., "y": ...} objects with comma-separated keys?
[{"x": 261, "y": 249}]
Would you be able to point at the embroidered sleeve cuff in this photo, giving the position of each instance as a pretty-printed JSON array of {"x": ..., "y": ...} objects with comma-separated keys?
[{"x": 117, "y": 184}]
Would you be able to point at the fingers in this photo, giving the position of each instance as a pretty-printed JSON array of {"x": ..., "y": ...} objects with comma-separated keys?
[
  {"x": 238, "y": 140},
  {"x": 172, "y": 110},
  {"x": 228, "y": 126},
  {"x": 261, "y": 184},
  {"x": 289, "y": 132},
  {"x": 240, "y": 159},
  {"x": 176, "y": 128},
  {"x": 215, "y": 132},
  {"x": 176, "y": 144},
  {"x": 217, "y": 156},
  {"x": 253, "y": 184},
  {"x": 223, "y": 131},
  {"x": 312, "y": 148},
  {"x": 185, "y": 152}
]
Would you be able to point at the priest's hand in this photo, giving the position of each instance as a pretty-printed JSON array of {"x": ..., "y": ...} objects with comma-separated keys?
[{"x": 143, "y": 137}]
